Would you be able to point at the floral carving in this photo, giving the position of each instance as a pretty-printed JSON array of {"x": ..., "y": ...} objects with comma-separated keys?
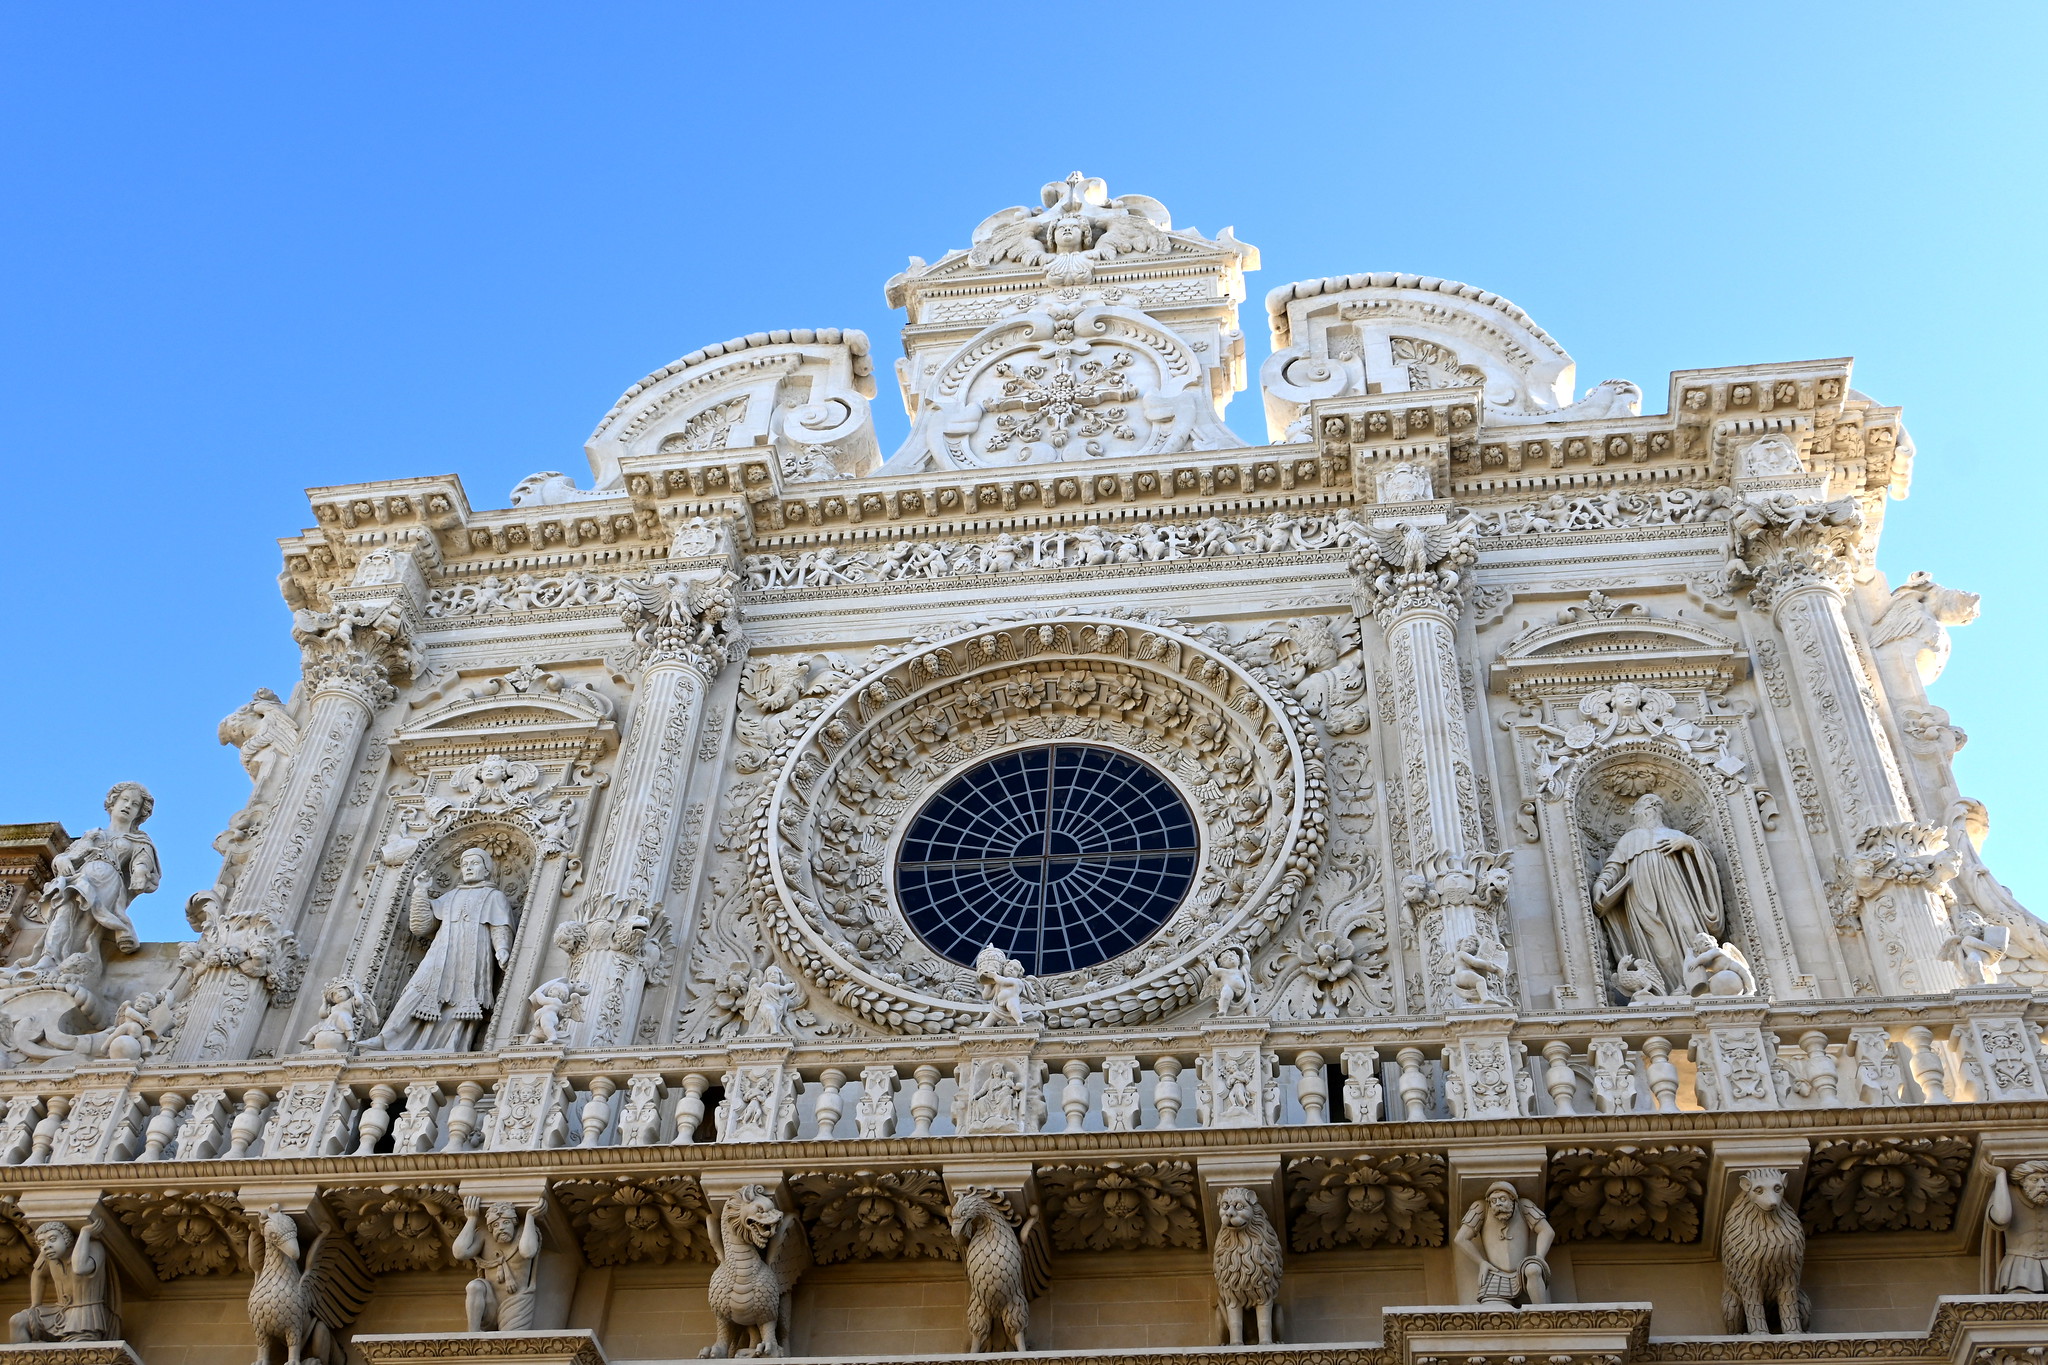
[
  {"x": 1120, "y": 1206},
  {"x": 631, "y": 1219},
  {"x": 1395, "y": 1200},
  {"x": 400, "y": 1227},
  {"x": 1886, "y": 1184},
  {"x": 1648, "y": 1193},
  {"x": 875, "y": 1215},
  {"x": 185, "y": 1234}
]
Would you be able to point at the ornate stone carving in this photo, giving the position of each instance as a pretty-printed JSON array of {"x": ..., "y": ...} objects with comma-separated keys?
[
  {"x": 1413, "y": 565},
  {"x": 1508, "y": 1239},
  {"x": 1005, "y": 1257},
  {"x": 400, "y": 1228},
  {"x": 356, "y": 648},
  {"x": 504, "y": 1250},
  {"x": 875, "y": 1215},
  {"x": 1122, "y": 1206},
  {"x": 1918, "y": 618},
  {"x": 302, "y": 1312},
  {"x": 442, "y": 1007},
  {"x": 1783, "y": 543},
  {"x": 1763, "y": 1252},
  {"x": 1456, "y": 904},
  {"x": 98, "y": 874},
  {"x": 71, "y": 1268},
  {"x": 1885, "y": 1185},
  {"x": 1247, "y": 1262},
  {"x": 184, "y": 1234},
  {"x": 761, "y": 1252},
  {"x": 691, "y": 618},
  {"x": 1395, "y": 1200},
  {"x": 1627, "y": 1192},
  {"x": 347, "y": 1016},
  {"x": 2021, "y": 1225},
  {"x": 655, "y": 1219}
]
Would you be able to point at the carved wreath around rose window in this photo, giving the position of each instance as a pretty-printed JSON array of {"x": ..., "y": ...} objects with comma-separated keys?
[{"x": 1236, "y": 746}]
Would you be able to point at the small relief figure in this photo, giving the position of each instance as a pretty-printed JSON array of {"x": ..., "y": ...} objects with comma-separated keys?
[
  {"x": 442, "y": 1008},
  {"x": 556, "y": 1005},
  {"x": 71, "y": 1270},
  {"x": 346, "y": 1016},
  {"x": 2023, "y": 1225},
  {"x": 1013, "y": 997},
  {"x": 769, "y": 1003},
  {"x": 1717, "y": 968},
  {"x": 1508, "y": 1239},
  {"x": 303, "y": 1312},
  {"x": 1763, "y": 1254},
  {"x": 1636, "y": 978},
  {"x": 97, "y": 876},
  {"x": 1657, "y": 890},
  {"x": 1230, "y": 981},
  {"x": 505, "y": 1253},
  {"x": 1479, "y": 972},
  {"x": 1247, "y": 1262},
  {"x": 761, "y": 1251},
  {"x": 1977, "y": 947},
  {"x": 1006, "y": 1268}
]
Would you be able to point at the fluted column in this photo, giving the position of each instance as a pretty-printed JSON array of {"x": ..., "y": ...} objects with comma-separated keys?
[
  {"x": 1798, "y": 556},
  {"x": 244, "y": 953},
  {"x": 687, "y": 634},
  {"x": 1413, "y": 576}
]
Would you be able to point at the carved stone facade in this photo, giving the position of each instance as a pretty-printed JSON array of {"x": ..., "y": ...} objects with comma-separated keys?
[{"x": 1476, "y": 877}]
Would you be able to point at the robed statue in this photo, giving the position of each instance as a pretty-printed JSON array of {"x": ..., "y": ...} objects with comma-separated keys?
[
  {"x": 97, "y": 876},
  {"x": 1657, "y": 891},
  {"x": 443, "y": 1006}
]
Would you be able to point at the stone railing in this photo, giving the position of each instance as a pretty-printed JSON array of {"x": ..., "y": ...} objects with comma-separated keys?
[{"x": 1672, "y": 1058}]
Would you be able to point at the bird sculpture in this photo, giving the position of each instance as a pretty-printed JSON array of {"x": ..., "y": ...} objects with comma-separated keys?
[{"x": 306, "y": 1312}]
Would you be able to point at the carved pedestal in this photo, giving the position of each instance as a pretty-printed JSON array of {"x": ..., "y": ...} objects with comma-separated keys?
[
  {"x": 1999, "y": 1049},
  {"x": 1001, "y": 1088},
  {"x": 1239, "y": 1085},
  {"x": 1734, "y": 1057},
  {"x": 760, "y": 1093},
  {"x": 1486, "y": 1075},
  {"x": 577, "y": 1346}
]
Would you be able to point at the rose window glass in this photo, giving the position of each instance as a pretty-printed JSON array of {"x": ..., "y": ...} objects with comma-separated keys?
[{"x": 1063, "y": 856}]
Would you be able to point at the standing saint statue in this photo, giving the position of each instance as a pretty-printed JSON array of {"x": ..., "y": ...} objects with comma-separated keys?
[
  {"x": 442, "y": 1007},
  {"x": 1658, "y": 891},
  {"x": 97, "y": 876}
]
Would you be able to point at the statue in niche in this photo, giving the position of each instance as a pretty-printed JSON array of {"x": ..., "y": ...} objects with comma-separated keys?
[
  {"x": 73, "y": 1270},
  {"x": 1657, "y": 892},
  {"x": 442, "y": 1008},
  {"x": 97, "y": 877}
]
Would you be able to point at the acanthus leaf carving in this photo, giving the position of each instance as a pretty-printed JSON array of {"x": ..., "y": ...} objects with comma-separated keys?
[
  {"x": 1394, "y": 1200},
  {"x": 1122, "y": 1206}
]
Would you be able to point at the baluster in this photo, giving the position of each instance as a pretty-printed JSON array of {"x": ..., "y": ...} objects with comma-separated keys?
[
  {"x": 1414, "y": 1085},
  {"x": 597, "y": 1110},
  {"x": 163, "y": 1127},
  {"x": 1928, "y": 1070},
  {"x": 1662, "y": 1074},
  {"x": 924, "y": 1101},
  {"x": 248, "y": 1124},
  {"x": 462, "y": 1116},
  {"x": 830, "y": 1103},
  {"x": 1166, "y": 1091},
  {"x": 376, "y": 1120},
  {"x": 1558, "y": 1077},
  {"x": 690, "y": 1108},
  {"x": 875, "y": 1111},
  {"x": 1311, "y": 1087},
  {"x": 1823, "y": 1075},
  {"x": 1120, "y": 1094},
  {"x": 1074, "y": 1095},
  {"x": 45, "y": 1138},
  {"x": 1362, "y": 1089}
]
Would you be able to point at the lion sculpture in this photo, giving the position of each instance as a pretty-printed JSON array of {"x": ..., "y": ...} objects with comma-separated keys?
[
  {"x": 1247, "y": 1260},
  {"x": 1763, "y": 1251}
]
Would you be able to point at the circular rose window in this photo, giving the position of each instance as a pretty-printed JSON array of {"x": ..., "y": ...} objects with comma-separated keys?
[{"x": 1063, "y": 856}]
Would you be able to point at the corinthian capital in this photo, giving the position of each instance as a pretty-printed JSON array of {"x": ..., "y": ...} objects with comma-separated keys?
[
  {"x": 1415, "y": 566},
  {"x": 1783, "y": 544},
  {"x": 357, "y": 646},
  {"x": 693, "y": 620}
]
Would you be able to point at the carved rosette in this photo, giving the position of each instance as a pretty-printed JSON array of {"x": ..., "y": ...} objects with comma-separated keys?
[
  {"x": 875, "y": 1215},
  {"x": 1237, "y": 746},
  {"x": 400, "y": 1228},
  {"x": 620, "y": 1222},
  {"x": 1122, "y": 1206},
  {"x": 185, "y": 1234}
]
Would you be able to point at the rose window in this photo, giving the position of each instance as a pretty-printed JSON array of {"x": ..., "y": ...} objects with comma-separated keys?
[{"x": 1063, "y": 856}]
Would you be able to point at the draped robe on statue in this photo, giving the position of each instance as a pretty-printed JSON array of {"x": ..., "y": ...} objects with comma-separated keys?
[
  {"x": 1658, "y": 889},
  {"x": 443, "y": 1005}
]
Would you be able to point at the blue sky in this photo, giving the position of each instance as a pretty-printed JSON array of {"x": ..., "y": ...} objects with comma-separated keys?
[{"x": 249, "y": 249}]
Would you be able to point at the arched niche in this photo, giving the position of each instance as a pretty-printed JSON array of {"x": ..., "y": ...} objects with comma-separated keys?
[{"x": 1701, "y": 801}]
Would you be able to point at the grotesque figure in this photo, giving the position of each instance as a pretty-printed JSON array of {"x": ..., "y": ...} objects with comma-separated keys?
[
  {"x": 1763, "y": 1252},
  {"x": 1006, "y": 1269},
  {"x": 304, "y": 1312},
  {"x": 442, "y": 1007},
  {"x": 1508, "y": 1239},
  {"x": 2023, "y": 1222},
  {"x": 761, "y": 1251},
  {"x": 1657, "y": 891},
  {"x": 1248, "y": 1262},
  {"x": 506, "y": 1255},
  {"x": 72, "y": 1270},
  {"x": 102, "y": 871}
]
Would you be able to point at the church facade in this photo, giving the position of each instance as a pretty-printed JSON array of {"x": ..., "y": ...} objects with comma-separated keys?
[{"x": 1470, "y": 873}]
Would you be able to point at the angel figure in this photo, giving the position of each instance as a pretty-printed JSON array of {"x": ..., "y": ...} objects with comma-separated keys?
[
  {"x": 1230, "y": 981},
  {"x": 1013, "y": 997},
  {"x": 769, "y": 1003},
  {"x": 1478, "y": 976},
  {"x": 347, "y": 1016},
  {"x": 496, "y": 783},
  {"x": 1717, "y": 968},
  {"x": 1977, "y": 947},
  {"x": 556, "y": 1005}
]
